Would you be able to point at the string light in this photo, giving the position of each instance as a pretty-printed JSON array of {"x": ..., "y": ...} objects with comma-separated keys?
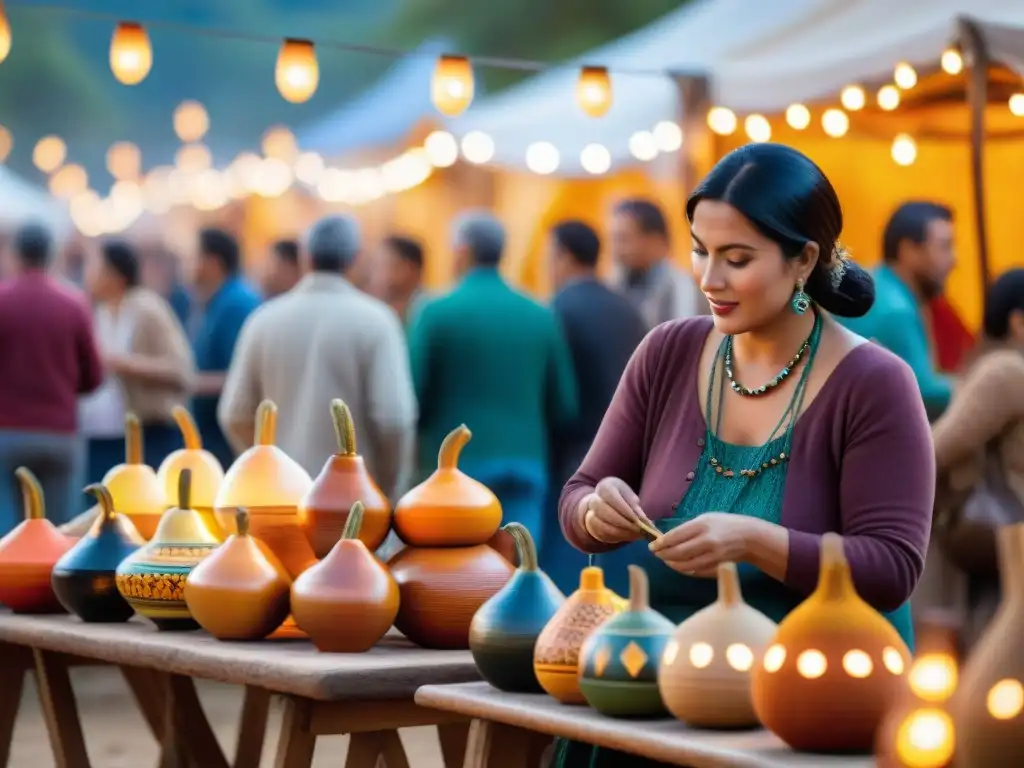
[
  {"x": 952, "y": 60},
  {"x": 888, "y": 97},
  {"x": 594, "y": 91},
  {"x": 477, "y": 147},
  {"x": 853, "y": 98},
  {"x": 131, "y": 55},
  {"x": 5, "y": 33},
  {"x": 191, "y": 121},
  {"x": 643, "y": 146},
  {"x": 904, "y": 150},
  {"x": 798, "y": 116},
  {"x": 596, "y": 159},
  {"x": 278, "y": 142},
  {"x": 297, "y": 73},
  {"x": 758, "y": 128},
  {"x": 835, "y": 122},
  {"x": 722, "y": 121},
  {"x": 6, "y": 143},
  {"x": 542, "y": 158},
  {"x": 124, "y": 161},
  {"x": 451, "y": 87},
  {"x": 442, "y": 149},
  {"x": 905, "y": 76},
  {"x": 668, "y": 136},
  {"x": 1016, "y": 104},
  {"x": 49, "y": 153},
  {"x": 68, "y": 181}
]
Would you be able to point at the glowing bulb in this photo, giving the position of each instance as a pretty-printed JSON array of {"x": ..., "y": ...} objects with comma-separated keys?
[
  {"x": 888, "y": 97},
  {"x": 49, "y": 153},
  {"x": 722, "y": 121},
  {"x": 925, "y": 739},
  {"x": 191, "y": 121},
  {"x": 442, "y": 149},
  {"x": 853, "y": 98},
  {"x": 740, "y": 657},
  {"x": 69, "y": 181},
  {"x": 594, "y": 91},
  {"x": 798, "y": 116},
  {"x": 904, "y": 150},
  {"x": 5, "y": 34},
  {"x": 835, "y": 122},
  {"x": 952, "y": 61},
  {"x": 477, "y": 147},
  {"x": 933, "y": 677},
  {"x": 668, "y": 136},
  {"x": 701, "y": 655},
  {"x": 1017, "y": 104},
  {"x": 124, "y": 160},
  {"x": 774, "y": 658},
  {"x": 904, "y": 76},
  {"x": 758, "y": 128},
  {"x": 309, "y": 167},
  {"x": 1005, "y": 700},
  {"x": 451, "y": 88},
  {"x": 893, "y": 661},
  {"x": 278, "y": 142},
  {"x": 131, "y": 56},
  {"x": 643, "y": 146},
  {"x": 857, "y": 664},
  {"x": 6, "y": 143},
  {"x": 811, "y": 664},
  {"x": 297, "y": 73},
  {"x": 542, "y": 158},
  {"x": 596, "y": 159},
  {"x": 193, "y": 158}
]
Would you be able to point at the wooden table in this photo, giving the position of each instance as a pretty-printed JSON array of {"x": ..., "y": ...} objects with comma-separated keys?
[
  {"x": 512, "y": 730},
  {"x": 368, "y": 695}
]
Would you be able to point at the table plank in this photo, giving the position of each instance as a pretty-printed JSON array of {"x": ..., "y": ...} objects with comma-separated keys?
[
  {"x": 666, "y": 740},
  {"x": 394, "y": 669}
]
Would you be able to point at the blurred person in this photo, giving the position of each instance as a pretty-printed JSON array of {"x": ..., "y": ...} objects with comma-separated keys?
[
  {"x": 147, "y": 357},
  {"x": 282, "y": 271},
  {"x": 397, "y": 275},
  {"x": 918, "y": 255},
  {"x": 647, "y": 276},
  {"x": 49, "y": 357},
  {"x": 162, "y": 274},
  {"x": 602, "y": 329},
  {"x": 226, "y": 301},
  {"x": 325, "y": 339},
  {"x": 490, "y": 357}
]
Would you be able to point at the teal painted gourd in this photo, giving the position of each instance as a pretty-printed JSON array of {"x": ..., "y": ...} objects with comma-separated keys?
[
  {"x": 619, "y": 662},
  {"x": 505, "y": 628}
]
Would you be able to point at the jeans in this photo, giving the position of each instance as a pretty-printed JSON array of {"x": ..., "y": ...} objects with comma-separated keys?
[
  {"x": 521, "y": 487},
  {"x": 56, "y": 459}
]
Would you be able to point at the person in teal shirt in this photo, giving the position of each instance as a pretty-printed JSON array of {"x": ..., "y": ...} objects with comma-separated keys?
[
  {"x": 488, "y": 356},
  {"x": 917, "y": 259}
]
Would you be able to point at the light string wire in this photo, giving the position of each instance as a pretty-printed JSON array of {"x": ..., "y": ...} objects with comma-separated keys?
[{"x": 487, "y": 62}]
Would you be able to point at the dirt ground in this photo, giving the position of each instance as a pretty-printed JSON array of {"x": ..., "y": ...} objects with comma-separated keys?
[{"x": 117, "y": 736}]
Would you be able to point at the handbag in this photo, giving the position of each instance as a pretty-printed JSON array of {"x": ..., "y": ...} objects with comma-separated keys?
[{"x": 967, "y": 532}]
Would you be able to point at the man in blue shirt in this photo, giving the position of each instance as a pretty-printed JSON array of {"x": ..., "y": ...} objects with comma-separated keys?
[
  {"x": 227, "y": 300},
  {"x": 918, "y": 257}
]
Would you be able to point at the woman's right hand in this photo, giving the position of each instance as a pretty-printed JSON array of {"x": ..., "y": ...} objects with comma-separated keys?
[{"x": 611, "y": 512}]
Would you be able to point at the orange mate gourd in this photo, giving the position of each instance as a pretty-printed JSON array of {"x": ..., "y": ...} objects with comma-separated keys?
[
  {"x": 134, "y": 487},
  {"x": 207, "y": 473}
]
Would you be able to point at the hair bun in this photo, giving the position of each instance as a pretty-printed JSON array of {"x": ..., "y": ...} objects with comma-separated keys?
[{"x": 852, "y": 297}]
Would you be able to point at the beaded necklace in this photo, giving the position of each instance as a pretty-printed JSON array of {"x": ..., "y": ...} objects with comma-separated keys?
[{"x": 780, "y": 377}]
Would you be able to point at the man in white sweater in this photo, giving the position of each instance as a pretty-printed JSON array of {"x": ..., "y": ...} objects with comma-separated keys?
[{"x": 321, "y": 340}]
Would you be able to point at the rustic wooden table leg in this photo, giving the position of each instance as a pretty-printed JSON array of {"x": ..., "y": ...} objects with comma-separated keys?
[
  {"x": 60, "y": 710},
  {"x": 188, "y": 737},
  {"x": 496, "y": 745},
  {"x": 453, "y": 738},
  {"x": 149, "y": 695},
  {"x": 15, "y": 661},
  {"x": 252, "y": 729},
  {"x": 297, "y": 742}
]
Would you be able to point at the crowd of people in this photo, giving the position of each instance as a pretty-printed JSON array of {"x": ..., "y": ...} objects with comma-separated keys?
[{"x": 592, "y": 392}]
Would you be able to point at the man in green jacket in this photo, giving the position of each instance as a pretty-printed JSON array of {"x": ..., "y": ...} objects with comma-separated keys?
[
  {"x": 490, "y": 357},
  {"x": 917, "y": 250}
]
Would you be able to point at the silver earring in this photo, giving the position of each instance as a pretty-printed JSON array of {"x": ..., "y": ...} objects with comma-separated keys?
[{"x": 800, "y": 302}]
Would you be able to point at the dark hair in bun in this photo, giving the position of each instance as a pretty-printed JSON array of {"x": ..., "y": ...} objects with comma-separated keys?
[{"x": 788, "y": 198}]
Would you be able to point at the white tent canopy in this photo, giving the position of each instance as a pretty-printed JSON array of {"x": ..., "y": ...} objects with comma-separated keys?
[
  {"x": 686, "y": 41},
  {"x": 21, "y": 202}
]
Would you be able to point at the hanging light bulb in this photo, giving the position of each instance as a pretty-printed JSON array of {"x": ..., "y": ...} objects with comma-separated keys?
[
  {"x": 853, "y": 98},
  {"x": 452, "y": 85},
  {"x": 905, "y": 76},
  {"x": 952, "y": 60},
  {"x": 722, "y": 121},
  {"x": 6, "y": 143},
  {"x": 124, "y": 161},
  {"x": 798, "y": 116},
  {"x": 758, "y": 128},
  {"x": 1016, "y": 105},
  {"x": 297, "y": 74},
  {"x": 888, "y": 97},
  {"x": 835, "y": 122},
  {"x": 5, "y": 33},
  {"x": 904, "y": 150},
  {"x": 191, "y": 121},
  {"x": 131, "y": 55},
  {"x": 594, "y": 91},
  {"x": 49, "y": 153}
]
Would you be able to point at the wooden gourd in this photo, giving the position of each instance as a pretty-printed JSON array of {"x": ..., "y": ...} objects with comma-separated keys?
[
  {"x": 918, "y": 731},
  {"x": 449, "y": 508},
  {"x": 834, "y": 667},
  {"x": 506, "y": 627},
  {"x": 556, "y": 656},
  {"x": 137, "y": 492},
  {"x": 706, "y": 671},
  {"x": 348, "y": 601},
  {"x": 153, "y": 579},
  {"x": 343, "y": 481},
  {"x": 240, "y": 591},
  {"x": 84, "y": 578},
  {"x": 29, "y": 552},
  {"x": 207, "y": 473},
  {"x": 619, "y": 661},
  {"x": 988, "y": 707},
  {"x": 269, "y": 484}
]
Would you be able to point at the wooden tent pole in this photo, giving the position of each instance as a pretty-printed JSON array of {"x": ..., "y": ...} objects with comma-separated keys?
[
  {"x": 697, "y": 155},
  {"x": 976, "y": 57}
]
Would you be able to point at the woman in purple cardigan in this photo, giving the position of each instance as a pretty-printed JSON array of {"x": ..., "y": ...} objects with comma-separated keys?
[{"x": 745, "y": 436}]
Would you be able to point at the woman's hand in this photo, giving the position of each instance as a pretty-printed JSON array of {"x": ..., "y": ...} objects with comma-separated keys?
[
  {"x": 699, "y": 546},
  {"x": 611, "y": 512}
]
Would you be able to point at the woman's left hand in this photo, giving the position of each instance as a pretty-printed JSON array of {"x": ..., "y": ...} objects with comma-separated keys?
[{"x": 699, "y": 546}]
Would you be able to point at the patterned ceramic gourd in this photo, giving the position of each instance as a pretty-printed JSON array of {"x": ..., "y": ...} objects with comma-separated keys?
[
  {"x": 839, "y": 658},
  {"x": 84, "y": 579},
  {"x": 137, "y": 492},
  {"x": 619, "y": 661},
  {"x": 153, "y": 579},
  {"x": 207, "y": 473},
  {"x": 505, "y": 629},
  {"x": 705, "y": 673},
  {"x": 269, "y": 484},
  {"x": 28, "y": 554},
  {"x": 343, "y": 481},
  {"x": 556, "y": 656}
]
